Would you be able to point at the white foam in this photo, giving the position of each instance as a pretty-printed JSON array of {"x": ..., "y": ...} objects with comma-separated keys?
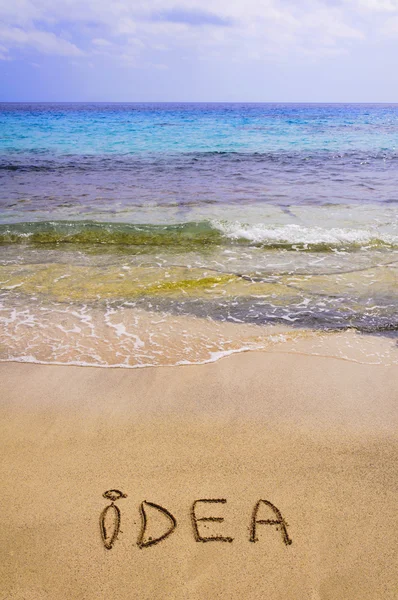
[{"x": 299, "y": 234}]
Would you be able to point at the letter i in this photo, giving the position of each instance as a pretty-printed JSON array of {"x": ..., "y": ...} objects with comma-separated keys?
[{"x": 110, "y": 518}]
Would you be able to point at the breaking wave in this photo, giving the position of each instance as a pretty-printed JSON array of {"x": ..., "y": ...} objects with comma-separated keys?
[{"x": 196, "y": 234}]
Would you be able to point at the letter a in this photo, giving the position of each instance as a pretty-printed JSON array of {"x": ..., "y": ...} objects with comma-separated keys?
[
  {"x": 279, "y": 522},
  {"x": 152, "y": 541}
]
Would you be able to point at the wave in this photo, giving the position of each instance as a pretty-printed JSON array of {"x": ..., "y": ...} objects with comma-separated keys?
[
  {"x": 33, "y": 161},
  {"x": 301, "y": 237},
  {"x": 195, "y": 234}
]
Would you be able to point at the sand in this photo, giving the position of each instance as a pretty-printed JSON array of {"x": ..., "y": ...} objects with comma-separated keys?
[{"x": 315, "y": 436}]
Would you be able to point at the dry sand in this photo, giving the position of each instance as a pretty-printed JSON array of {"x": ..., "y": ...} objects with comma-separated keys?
[{"x": 316, "y": 436}]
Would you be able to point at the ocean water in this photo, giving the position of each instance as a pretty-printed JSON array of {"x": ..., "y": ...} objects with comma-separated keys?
[{"x": 159, "y": 234}]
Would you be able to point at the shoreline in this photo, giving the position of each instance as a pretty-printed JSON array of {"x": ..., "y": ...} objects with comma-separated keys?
[
  {"x": 347, "y": 345},
  {"x": 261, "y": 370}
]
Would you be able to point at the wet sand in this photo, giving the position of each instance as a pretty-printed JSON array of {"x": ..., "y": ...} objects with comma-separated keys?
[{"x": 316, "y": 436}]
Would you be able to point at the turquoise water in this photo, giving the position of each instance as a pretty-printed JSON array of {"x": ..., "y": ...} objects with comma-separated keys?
[
  {"x": 94, "y": 129},
  {"x": 122, "y": 225}
]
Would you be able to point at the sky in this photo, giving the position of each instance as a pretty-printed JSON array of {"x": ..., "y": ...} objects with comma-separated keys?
[{"x": 199, "y": 50}]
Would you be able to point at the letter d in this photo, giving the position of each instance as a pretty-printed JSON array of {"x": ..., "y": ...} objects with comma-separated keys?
[{"x": 141, "y": 543}]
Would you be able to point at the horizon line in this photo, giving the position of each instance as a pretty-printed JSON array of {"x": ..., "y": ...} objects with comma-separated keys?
[{"x": 193, "y": 102}]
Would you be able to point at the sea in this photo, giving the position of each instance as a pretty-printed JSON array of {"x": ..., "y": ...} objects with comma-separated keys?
[{"x": 134, "y": 235}]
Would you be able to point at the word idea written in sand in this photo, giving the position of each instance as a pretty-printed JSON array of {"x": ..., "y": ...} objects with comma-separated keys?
[{"x": 110, "y": 520}]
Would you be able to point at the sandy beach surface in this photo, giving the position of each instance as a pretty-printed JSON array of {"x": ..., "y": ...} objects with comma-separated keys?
[{"x": 316, "y": 436}]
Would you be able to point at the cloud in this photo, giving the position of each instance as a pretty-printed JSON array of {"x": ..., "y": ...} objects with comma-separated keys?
[
  {"x": 391, "y": 27},
  {"x": 4, "y": 53},
  {"x": 101, "y": 42},
  {"x": 194, "y": 17},
  {"x": 42, "y": 41},
  {"x": 389, "y": 6},
  {"x": 241, "y": 30}
]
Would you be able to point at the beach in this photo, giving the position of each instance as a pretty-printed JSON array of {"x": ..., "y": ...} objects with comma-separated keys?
[
  {"x": 315, "y": 436},
  {"x": 198, "y": 351}
]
